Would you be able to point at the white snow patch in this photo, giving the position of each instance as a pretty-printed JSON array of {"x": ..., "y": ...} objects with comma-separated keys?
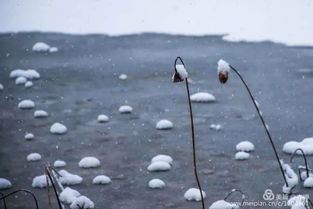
[
  {"x": 5, "y": 184},
  {"x": 202, "y": 97},
  {"x": 41, "y": 47},
  {"x": 216, "y": 127},
  {"x": 297, "y": 202},
  {"x": 26, "y": 104},
  {"x": 82, "y": 202},
  {"x": 156, "y": 184},
  {"x": 242, "y": 156},
  {"x": 29, "y": 84},
  {"x": 245, "y": 146},
  {"x": 122, "y": 77},
  {"x": 159, "y": 166},
  {"x": 68, "y": 195},
  {"x": 89, "y": 162},
  {"x": 222, "y": 204},
  {"x": 28, "y": 74},
  {"x": 29, "y": 136},
  {"x": 181, "y": 70},
  {"x": 40, "y": 114},
  {"x": 103, "y": 118},
  {"x": 101, "y": 179},
  {"x": 59, "y": 163},
  {"x": 20, "y": 80},
  {"x": 33, "y": 157},
  {"x": 163, "y": 158},
  {"x": 193, "y": 194},
  {"x": 58, "y": 128},
  {"x": 164, "y": 125},
  {"x": 306, "y": 145},
  {"x": 222, "y": 66},
  {"x": 40, "y": 181},
  {"x": 308, "y": 183},
  {"x": 125, "y": 109},
  {"x": 68, "y": 178}
]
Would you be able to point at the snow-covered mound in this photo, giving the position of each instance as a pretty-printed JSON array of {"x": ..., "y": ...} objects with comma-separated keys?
[
  {"x": 291, "y": 177},
  {"x": 298, "y": 202},
  {"x": 156, "y": 184},
  {"x": 59, "y": 163},
  {"x": 53, "y": 49},
  {"x": 308, "y": 183},
  {"x": 68, "y": 178},
  {"x": 222, "y": 204},
  {"x": 89, "y": 162},
  {"x": 1, "y": 87},
  {"x": 101, "y": 179},
  {"x": 82, "y": 202},
  {"x": 122, "y": 77},
  {"x": 306, "y": 145},
  {"x": 245, "y": 146},
  {"x": 159, "y": 166},
  {"x": 29, "y": 84},
  {"x": 125, "y": 109},
  {"x": 5, "y": 184},
  {"x": 33, "y": 157},
  {"x": 68, "y": 195},
  {"x": 103, "y": 118},
  {"x": 26, "y": 104},
  {"x": 242, "y": 156},
  {"x": 163, "y": 158},
  {"x": 58, "y": 128},
  {"x": 40, "y": 182},
  {"x": 202, "y": 97},
  {"x": 193, "y": 194},
  {"x": 29, "y": 136},
  {"x": 41, "y": 47},
  {"x": 40, "y": 114},
  {"x": 164, "y": 125},
  {"x": 216, "y": 127},
  {"x": 28, "y": 74},
  {"x": 20, "y": 80}
]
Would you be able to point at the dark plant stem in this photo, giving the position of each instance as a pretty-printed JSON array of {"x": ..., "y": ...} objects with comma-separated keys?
[
  {"x": 54, "y": 188},
  {"x": 305, "y": 160},
  {"x": 263, "y": 122},
  {"x": 4, "y": 203},
  {"x": 194, "y": 144},
  {"x": 22, "y": 190},
  {"x": 233, "y": 191}
]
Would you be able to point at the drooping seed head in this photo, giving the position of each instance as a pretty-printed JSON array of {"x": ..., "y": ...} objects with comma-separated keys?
[
  {"x": 180, "y": 73},
  {"x": 222, "y": 71}
]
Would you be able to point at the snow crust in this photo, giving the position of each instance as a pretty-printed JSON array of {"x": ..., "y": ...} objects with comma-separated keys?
[
  {"x": 193, "y": 194},
  {"x": 156, "y": 184},
  {"x": 202, "y": 97},
  {"x": 89, "y": 162},
  {"x": 101, "y": 179},
  {"x": 164, "y": 125},
  {"x": 5, "y": 183},
  {"x": 245, "y": 146},
  {"x": 26, "y": 104},
  {"x": 159, "y": 166},
  {"x": 58, "y": 128}
]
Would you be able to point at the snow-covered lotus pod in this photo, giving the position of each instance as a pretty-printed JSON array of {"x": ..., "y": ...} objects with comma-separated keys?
[
  {"x": 222, "y": 71},
  {"x": 180, "y": 73}
]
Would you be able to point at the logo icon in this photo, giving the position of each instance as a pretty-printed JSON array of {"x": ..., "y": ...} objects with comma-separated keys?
[{"x": 268, "y": 195}]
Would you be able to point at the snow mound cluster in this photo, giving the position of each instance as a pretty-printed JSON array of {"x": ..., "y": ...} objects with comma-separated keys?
[
  {"x": 245, "y": 146},
  {"x": 306, "y": 145},
  {"x": 242, "y": 156},
  {"x": 58, "y": 128},
  {"x": 101, "y": 179},
  {"x": 164, "y": 125},
  {"x": 82, "y": 202},
  {"x": 40, "y": 114},
  {"x": 222, "y": 204},
  {"x": 125, "y": 109},
  {"x": 29, "y": 74},
  {"x": 59, "y": 163},
  {"x": 40, "y": 181},
  {"x": 68, "y": 195},
  {"x": 43, "y": 47},
  {"x": 5, "y": 184},
  {"x": 89, "y": 162},
  {"x": 202, "y": 97},
  {"x": 193, "y": 194},
  {"x": 68, "y": 178},
  {"x": 26, "y": 104},
  {"x": 33, "y": 157},
  {"x": 156, "y": 184},
  {"x": 29, "y": 136},
  {"x": 102, "y": 118}
]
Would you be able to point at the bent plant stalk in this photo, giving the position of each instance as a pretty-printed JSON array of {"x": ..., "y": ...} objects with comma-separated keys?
[
  {"x": 21, "y": 190},
  {"x": 194, "y": 154},
  {"x": 243, "y": 196},
  {"x": 4, "y": 203},
  {"x": 305, "y": 161},
  {"x": 49, "y": 176},
  {"x": 263, "y": 122}
]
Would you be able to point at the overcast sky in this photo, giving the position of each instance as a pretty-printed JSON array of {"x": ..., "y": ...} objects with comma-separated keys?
[{"x": 287, "y": 21}]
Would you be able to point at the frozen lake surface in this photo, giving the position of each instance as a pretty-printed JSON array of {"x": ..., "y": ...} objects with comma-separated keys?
[{"x": 81, "y": 81}]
